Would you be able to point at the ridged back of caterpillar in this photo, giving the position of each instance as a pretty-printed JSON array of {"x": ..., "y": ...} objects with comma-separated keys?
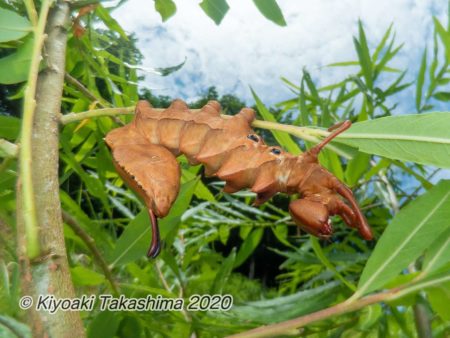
[{"x": 221, "y": 144}]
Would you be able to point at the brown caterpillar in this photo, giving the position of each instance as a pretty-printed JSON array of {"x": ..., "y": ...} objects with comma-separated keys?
[{"x": 144, "y": 153}]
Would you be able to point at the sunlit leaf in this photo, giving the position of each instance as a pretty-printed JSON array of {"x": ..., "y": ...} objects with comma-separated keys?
[
  {"x": 109, "y": 21},
  {"x": 365, "y": 61},
  {"x": 283, "y": 139},
  {"x": 166, "y": 8},
  {"x": 271, "y": 10},
  {"x": 444, "y": 36},
  {"x": 421, "y": 80},
  {"x": 422, "y": 138},
  {"x": 438, "y": 254},
  {"x": 215, "y": 9},
  {"x": 410, "y": 232}
]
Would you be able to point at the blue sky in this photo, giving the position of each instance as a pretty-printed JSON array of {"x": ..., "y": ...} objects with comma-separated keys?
[{"x": 248, "y": 50}]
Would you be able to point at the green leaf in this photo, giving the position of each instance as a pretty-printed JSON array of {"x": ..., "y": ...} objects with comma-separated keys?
[
  {"x": 134, "y": 241},
  {"x": 249, "y": 245},
  {"x": 365, "y": 61},
  {"x": 14, "y": 67},
  {"x": 215, "y": 9},
  {"x": 169, "y": 70},
  {"x": 421, "y": 80},
  {"x": 12, "y": 328},
  {"x": 83, "y": 276},
  {"x": 410, "y": 232},
  {"x": 438, "y": 254},
  {"x": 287, "y": 307},
  {"x": 224, "y": 273},
  {"x": 9, "y": 127},
  {"x": 444, "y": 35},
  {"x": 439, "y": 298},
  {"x": 321, "y": 256},
  {"x": 166, "y": 8},
  {"x": 271, "y": 10},
  {"x": 13, "y": 26},
  {"x": 442, "y": 96},
  {"x": 423, "y": 138},
  {"x": 109, "y": 21},
  {"x": 283, "y": 139},
  {"x": 356, "y": 167},
  {"x": 104, "y": 324}
]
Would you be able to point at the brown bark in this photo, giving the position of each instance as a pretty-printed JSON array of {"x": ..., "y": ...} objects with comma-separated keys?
[{"x": 49, "y": 273}]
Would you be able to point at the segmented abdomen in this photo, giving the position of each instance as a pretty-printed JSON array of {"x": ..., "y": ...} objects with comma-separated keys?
[{"x": 226, "y": 147}]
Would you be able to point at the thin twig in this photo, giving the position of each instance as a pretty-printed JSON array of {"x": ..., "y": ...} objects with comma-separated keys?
[
  {"x": 305, "y": 133},
  {"x": 86, "y": 92},
  {"x": 90, "y": 242},
  {"x": 29, "y": 209},
  {"x": 101, "y": 102}
]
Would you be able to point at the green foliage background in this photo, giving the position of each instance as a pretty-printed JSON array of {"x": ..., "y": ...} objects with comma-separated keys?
[{"x": 218, "y": 243}]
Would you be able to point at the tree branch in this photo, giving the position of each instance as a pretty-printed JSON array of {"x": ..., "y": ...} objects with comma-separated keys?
[
  {"x": 25, "y": 156},
  {"x": 293, "y": 326},
  {"x": 70, "y": 221},
  {"x": 48, "y": 270}
]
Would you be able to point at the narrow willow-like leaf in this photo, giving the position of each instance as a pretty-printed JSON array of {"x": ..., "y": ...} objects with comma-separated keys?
[
  {"x": 423, "y": 138},
  {"x": 287, "y": 307},
  {"x": 283, "y": 139},
  {"x": 410, "y": 232},
  {"x": 249, "y": 245},
  {"x": 223, "y": 273},
  {"x": 109, "y": 21},
  {"x": 271, "y": 10},
  {"x": 444, "y": 36},
  {"x": 421, "y": 80},
  {"x": 362, "y": 50},
  {"x": 438, "y": 255},
  {"x": 134, "y": 242},
  {"x": 215, "y": 9},
  {"x": 321, "y": 256}
]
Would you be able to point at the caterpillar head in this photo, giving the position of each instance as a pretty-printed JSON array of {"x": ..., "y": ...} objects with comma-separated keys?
[{"x": 323, "y": 195}]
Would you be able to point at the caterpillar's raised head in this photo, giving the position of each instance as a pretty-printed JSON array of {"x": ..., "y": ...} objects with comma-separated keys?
[{"x": 323, "y": 195}]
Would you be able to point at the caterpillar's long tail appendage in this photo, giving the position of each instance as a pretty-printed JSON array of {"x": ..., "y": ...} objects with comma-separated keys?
[
  {"x": 155, "y": 244},
  {"x": 336, "y": 130}
]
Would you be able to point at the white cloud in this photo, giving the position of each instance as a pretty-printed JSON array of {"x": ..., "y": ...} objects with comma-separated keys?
[{"x": 247, "y": 49}]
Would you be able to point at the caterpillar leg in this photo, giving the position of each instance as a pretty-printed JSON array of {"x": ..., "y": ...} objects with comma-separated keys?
[{"x": 153, "y": 172}]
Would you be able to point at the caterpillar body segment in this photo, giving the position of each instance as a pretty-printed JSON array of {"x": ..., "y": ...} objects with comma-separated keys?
[{"x": 145, "y": 152}]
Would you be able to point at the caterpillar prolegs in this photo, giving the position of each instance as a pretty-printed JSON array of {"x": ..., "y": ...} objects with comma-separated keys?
[{"x": 145, "y": 151}]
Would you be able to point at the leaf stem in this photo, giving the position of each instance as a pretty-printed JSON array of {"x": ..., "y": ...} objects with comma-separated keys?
[
  {"x": 31, "y": 11},
  {"x": 29, "y": 210}
]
